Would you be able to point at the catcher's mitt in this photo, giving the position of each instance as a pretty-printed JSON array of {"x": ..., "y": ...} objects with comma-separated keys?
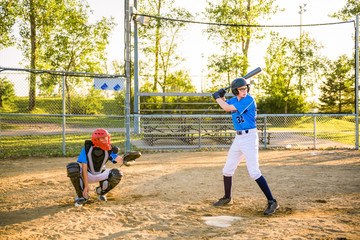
[{"x": 129, "y": 157}]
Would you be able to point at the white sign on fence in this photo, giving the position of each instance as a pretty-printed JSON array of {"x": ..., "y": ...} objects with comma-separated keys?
[{"x": 116, "y": 84}]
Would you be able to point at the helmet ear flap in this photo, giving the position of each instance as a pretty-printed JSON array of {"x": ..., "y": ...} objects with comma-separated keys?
[{"x": 235, "y": 91}]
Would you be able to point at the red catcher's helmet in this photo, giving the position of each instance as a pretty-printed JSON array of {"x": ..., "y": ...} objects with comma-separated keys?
[{"x": 103, "y": 144}]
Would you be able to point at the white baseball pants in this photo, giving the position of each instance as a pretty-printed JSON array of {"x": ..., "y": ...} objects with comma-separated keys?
[
  {"x": 99, "y": 177},
  {"x": 245, "y": 145}
]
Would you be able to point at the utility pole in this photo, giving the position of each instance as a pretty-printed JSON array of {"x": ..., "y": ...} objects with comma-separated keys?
[{"x": 301, "y": 11}]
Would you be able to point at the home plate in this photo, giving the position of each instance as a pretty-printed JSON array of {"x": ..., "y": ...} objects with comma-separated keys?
[{"x": 220, "y": 221}]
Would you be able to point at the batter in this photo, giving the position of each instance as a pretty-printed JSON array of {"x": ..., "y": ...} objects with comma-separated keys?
[{"x": 246, "y": 142}]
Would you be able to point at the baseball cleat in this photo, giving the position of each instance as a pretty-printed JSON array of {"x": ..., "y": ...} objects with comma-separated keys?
[
  {"x": 223, "y": 201},
  {"x": 80, "y": 202},
  {"x": 77, "y": 198},
  {"x": 272, "y": 207},
  {"x": 100, "y": 197}
]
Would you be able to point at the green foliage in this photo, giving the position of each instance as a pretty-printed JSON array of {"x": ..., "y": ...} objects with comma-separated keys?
[
  {"x": 349, "y": 11},
  {"x": 7, "y": 92},
  {"x": 8, "y": 14},
  {"x": 179, "y": 81},
  {"x": 160, "y": 42},
  {"x": 234, "y": 42},
  {"x": 286, "y": 78},
  {"x": 338, "y": 88},
  {"x": 277, "y": 104},
  {"x": 89, "y": 105},
  {"x": 57, "y": 35}
]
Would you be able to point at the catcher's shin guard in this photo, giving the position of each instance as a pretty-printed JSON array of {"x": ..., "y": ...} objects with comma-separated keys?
[
  {"x": 114, "y": 179},
  {"x": 73, "y": 172}
]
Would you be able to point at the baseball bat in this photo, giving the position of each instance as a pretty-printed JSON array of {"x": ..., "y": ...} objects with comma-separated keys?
[{"x": 249, "y": 74}]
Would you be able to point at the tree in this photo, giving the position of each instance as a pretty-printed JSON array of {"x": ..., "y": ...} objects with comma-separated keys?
[
  {"x": 38, "y": 18},
  {"x": 346, "y": 66},
  {"x": 235, "y": 42},
  {"x": 338, "y": 88},
  {"x": 160, "y": 40},
  {"x": 7, "y": 92},
  {"x": 57, "y": 35},
  {"x": 8, "y": 13},
  {"x": 280, "y": 83},
  {"x": 76, "y": 46},
  {"x": 349, "y": 11}
]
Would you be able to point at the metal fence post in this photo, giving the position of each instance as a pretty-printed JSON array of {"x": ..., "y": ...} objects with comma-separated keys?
[
  {"x": 264, "y": 137},
  {"x": 136, "y": 77},
  {"x": 63, "y": 114},
  {"x": 314, "y": 131},
  {"x": 199, "y": 132},
  {"x": 127, "y": 34},
  {"x": 357, "y": 82}
]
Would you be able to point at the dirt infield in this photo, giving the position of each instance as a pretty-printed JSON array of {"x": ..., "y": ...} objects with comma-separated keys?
[{"x": 167, "y": 195}]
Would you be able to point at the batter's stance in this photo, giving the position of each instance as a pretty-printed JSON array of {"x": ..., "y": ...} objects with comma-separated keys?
[{"x": 246, "y": 143}]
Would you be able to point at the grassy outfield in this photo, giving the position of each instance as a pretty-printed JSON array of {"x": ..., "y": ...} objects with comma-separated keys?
[
  {"x": 335, "y": 128},
  {"x": 27, "y": 122},
  {"x": 338, "y": 128},
  {"x": 50, "y": 145}
]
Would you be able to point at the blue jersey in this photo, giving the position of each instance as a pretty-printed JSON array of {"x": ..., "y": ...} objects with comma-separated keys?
[{"x": 245, "y": 116}]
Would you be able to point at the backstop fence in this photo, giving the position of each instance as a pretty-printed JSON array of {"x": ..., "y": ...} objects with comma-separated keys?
[
  {"x": 67, "y": 109},
  {"x": 62, "y": 120}
]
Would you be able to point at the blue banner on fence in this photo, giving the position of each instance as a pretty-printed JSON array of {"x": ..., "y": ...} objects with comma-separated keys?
[{"x": 116, "y": 84}]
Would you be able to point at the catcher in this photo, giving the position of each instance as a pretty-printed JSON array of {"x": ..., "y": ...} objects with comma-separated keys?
[{"x": 93, "y": 158}]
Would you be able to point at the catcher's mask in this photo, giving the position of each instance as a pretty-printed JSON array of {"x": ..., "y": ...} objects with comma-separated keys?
[
  {"x": 101, "y": 138},
  {"x": 237, "y": 83}
]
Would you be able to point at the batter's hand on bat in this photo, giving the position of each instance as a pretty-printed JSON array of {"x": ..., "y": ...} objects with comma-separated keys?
[
  {"x": 222, "y": 92},
  {"x": 219, "y": 94}
]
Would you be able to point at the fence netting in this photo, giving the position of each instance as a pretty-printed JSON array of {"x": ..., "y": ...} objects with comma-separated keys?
[
  {"x": 59, "y": 123},
  {"x": 309, "y": 131}
]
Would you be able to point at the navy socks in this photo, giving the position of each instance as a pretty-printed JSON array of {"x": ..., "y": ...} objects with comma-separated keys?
[
  {"x": 260, "y": 181},
  {"x": 264, "y": 187},
  {"x": 227, "y": 186}
]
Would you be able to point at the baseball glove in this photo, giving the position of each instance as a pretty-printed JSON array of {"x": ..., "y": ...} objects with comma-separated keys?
[{"x": 129, "y": 157}]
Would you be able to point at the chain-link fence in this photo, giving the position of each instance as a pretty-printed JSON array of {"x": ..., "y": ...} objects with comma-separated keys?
[
  {"x": 60, "y": 121},
  {"x": 274, "y": 130},
  {"x": 53, "y": 122}
]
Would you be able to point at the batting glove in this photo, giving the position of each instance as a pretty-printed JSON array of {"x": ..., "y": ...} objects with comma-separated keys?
[
  {"x": 219, "y": 94},
  {"x": 222, "y": 92}
]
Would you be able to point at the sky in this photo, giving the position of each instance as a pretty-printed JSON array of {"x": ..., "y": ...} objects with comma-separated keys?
[
  {"x": 196, "y": 48},
  {"x": 337, "y": 39}
]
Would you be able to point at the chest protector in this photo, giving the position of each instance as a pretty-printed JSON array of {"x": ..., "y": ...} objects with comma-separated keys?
[{"x": 96, "y": 158}]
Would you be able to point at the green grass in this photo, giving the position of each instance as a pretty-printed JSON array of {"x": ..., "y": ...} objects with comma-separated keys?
[
  {"x": 347, "y": 138},
  {"x": 333, "y": 128},
  {"x": 49, "y": 145},
  {"x": 323, "y": 123},
  {"x": 327, "y": 127},
  {"x": 26, "y": 122}
]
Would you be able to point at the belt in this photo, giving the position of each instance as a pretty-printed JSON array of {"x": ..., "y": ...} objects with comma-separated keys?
[{"x": 242, "y": 132}]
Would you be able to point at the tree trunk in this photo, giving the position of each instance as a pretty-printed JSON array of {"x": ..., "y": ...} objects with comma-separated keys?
[
  {"x": 68, "y": 97},
  {"x": 32, "y": 85}
]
